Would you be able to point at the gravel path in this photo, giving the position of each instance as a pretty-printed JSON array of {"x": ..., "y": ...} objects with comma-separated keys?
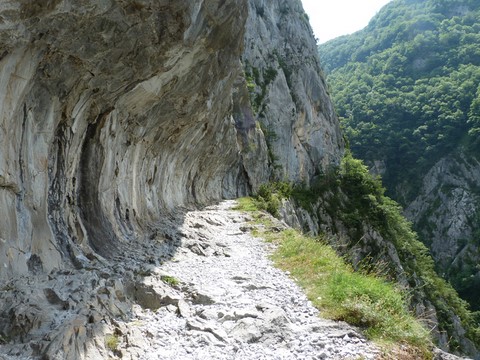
[
  {"x": 231, "y": 303},
  {"x": 200, "y": 288}
]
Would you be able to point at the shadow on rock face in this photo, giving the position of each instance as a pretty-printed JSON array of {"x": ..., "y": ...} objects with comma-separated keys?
[{"x": 116, "y": 115}]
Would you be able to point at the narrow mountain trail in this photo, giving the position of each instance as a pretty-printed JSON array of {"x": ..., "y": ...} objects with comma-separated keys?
[
  {"x": 228, "y": 301},
  {"x": 201, "y": 287}
]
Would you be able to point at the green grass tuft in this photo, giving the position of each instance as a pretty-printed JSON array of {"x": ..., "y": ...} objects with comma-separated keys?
[
  {"x": 246, "y": 204},
  {"x": 170, "y": 280},
  {"x": 112, "y": 342},
  {"x": 365, "y": 300}
]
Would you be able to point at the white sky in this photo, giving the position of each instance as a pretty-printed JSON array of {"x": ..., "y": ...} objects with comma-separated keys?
[{"x": 333, "y": 18}]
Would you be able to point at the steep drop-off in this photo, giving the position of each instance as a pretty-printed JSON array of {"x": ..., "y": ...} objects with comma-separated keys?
[
  {"x": 446, "y": 215},
  {"x": 348, "y": 205},
  {"x": 406, "y": 88}
]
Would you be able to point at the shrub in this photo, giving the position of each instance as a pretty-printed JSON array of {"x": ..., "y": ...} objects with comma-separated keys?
[
  {"x": 269, "y": 196},
  {"x": 170, "y": 280}
]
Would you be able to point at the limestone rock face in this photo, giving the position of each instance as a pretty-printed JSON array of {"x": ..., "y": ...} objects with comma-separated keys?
[
  {"x": 290, "y": 102},
  {"x": 115, "y": 112},
  {"x": 446, "y": 215},
  {"x": 112, "y": 112}
]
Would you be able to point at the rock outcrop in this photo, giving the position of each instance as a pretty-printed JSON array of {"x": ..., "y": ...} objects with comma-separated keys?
[{"x": 445, "y": 213}]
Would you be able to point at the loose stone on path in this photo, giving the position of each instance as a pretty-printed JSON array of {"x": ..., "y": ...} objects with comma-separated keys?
[{"x": 232, "y": 303}]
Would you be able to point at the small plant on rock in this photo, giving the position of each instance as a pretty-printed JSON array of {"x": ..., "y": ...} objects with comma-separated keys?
[
  {"x": 170, "y": 280},
  {"x": 111, "y": 342}
]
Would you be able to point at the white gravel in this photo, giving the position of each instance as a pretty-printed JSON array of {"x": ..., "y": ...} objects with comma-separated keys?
[{"x": 234, "y": 303}]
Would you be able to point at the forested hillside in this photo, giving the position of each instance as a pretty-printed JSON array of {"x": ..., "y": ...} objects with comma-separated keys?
[
  {"x": 407, "y": 86},
  {"x": 407, "y": 89}
]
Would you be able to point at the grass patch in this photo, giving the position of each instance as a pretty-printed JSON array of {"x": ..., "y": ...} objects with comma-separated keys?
[
  {"x": 112, "y": 342},
  {"x": 251, "y": 205},
  {"x": 364, "y": 300},
  {"x": 269, "y": 198},
  {"x": 246, "y": 204},
  {"x": 170, "y": 280}
]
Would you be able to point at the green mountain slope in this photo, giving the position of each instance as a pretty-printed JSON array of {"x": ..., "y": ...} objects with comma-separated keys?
[
  {"x": 407, "y": 86},
  {"x": 407, "y": 89}
]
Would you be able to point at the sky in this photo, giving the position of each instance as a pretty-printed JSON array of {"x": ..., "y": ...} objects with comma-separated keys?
[{"x": 333, "y": 18}]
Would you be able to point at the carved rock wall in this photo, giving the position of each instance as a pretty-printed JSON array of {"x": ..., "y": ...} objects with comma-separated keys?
[{"x": 111, "y": 114}]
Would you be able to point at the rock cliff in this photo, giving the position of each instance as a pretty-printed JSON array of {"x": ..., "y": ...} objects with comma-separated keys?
[
  {"x": 115, "y": 112},
  {"x": 113, "y": 115},
  {"x": 445, "y": 212},
  {"x": 288, "y": 93}
]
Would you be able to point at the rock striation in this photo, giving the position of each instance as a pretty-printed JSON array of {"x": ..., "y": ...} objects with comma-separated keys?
[
  {"x": 115, "y": 112},
  {"x": 112, "y": 113}
]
